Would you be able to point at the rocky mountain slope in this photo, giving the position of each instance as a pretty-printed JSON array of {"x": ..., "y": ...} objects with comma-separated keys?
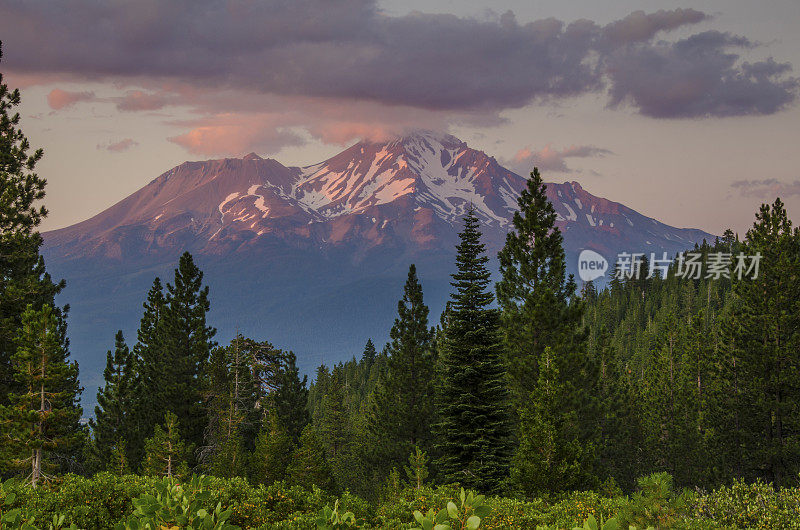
[{"x": 313, "y": 258}]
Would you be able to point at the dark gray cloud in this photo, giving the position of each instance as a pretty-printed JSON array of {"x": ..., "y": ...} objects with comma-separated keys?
[
  {"x": 349, "y": 49},
  {"x": 766, "y": 188},
  {"x": 698, "y": 77}
]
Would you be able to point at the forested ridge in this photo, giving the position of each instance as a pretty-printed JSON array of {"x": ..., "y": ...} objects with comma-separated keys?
[{"x": 658, "y": 400}]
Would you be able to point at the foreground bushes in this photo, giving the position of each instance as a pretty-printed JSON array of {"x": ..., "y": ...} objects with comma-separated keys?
[{"x": 107, "y": 501}]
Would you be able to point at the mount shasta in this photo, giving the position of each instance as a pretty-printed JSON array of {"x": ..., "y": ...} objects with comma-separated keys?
[{"x": 314, "y": 258}]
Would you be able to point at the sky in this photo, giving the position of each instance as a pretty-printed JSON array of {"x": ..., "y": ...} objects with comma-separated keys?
[{"x": 686, "y": 112}]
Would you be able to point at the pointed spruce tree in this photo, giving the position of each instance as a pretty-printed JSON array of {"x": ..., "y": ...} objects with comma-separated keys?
[
  {"x": 112, "y": 422},
  {"x": 290, "y": 398},
  {"x": 182, "y": 346},
  {"x": 402, "y": 410},
  {"x": 40, "y": 424},
  {"x": 536, "y": 297},
  {"x": 540, "y": 310},
  {"x": 474, "y": 429},
  {"x": 272, "y": 453},
  {"x": 149, "y": 366}
]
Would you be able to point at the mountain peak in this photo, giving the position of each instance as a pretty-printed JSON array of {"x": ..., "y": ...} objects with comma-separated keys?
[
  {"x": 251, "y": 156},
  {"x": 420, "y": 136}
]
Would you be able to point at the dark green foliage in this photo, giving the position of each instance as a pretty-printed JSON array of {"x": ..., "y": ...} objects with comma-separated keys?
[
  {"x": 290, "y": 398},
  {"x": 230, "y": 402},
  {"x": 370, "y": 353},
  {"x": 150, "y": 366},
  {"x": 40, "y": 424},
  {"x": 402, "y": 412},
  {"x": 537, "y": 299},
  {"x": 762, "y": 339},
  {"x": 23, "y": 280},
  {"x": 309, "y": 466},
  {"x": 474, "y": 429},
  {"x": 175, "y": 347},
  {"x": 113, "y": 420},
  {"x": 272, "y": 453},
  {"x": 540, "y": 311},
  {"x": 551, "y": 455}
]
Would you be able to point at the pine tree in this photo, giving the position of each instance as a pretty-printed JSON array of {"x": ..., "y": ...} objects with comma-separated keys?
[
  {"x": 183, "y": 341},
  {"x": 417, "y": 468},
  {"x": 537, "y": 299},
  {"x": 402, "y": 411},
  {"x": 308, "y": 466},
  {"x": 23, "y": 279},
  {"x": 228, "y": 399},
  {"x": 766, "y": 345},
  {"x": 369, "y": 355},
  {"x": 118, "y": 461},
  {"x": 149, "y": 368},
  {"x": 540, "y": 310},
  {"x": 165, "y": 453},
  {"x": 290, "y": 398},
  {"x": 473, "y": 433},
  {"x": 114, "y": 403},
  {"x": 551, "y": 456},
  {"x": 272, "y": 453},
  {"x": 41, "y": 422},
  {"x": 619, "y": 435}
]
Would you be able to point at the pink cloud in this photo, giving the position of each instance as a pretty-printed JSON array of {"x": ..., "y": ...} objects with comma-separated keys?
[
  {"x": 234, "y": 134},
  {"x": 550, "y": 159},
  {"x": 60, "y": 99},
  {"x": 118, "y": 147}
]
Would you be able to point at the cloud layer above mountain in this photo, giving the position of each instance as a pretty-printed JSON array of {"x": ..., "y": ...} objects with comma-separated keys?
[{"x": 186, "y": 52}]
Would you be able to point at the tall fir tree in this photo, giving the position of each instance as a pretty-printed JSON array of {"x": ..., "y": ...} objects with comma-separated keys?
[
  {"x": 309, "y": 465},
  {"x": 23, "y": 279},
  {"x": 272, "y": 453},
  {"x": 149, "y": 366},
  {"x": 765, "y": 337},
  {"x": 403, "y": 408},
  {"x": 290, "y": 398},
  {"x": 474, "y": 429},
  {"x": 540, "y": 310},
  {"x": 551, "y": 456},
  {"x": 112, "y": 421},
  {"x": 370, "y": 354},
  {"x": 40, "y": 424},
  {"x": 230, "y": 404},
  {"x": 537, "y": 299},
  {"x": 182, "y": 341}
]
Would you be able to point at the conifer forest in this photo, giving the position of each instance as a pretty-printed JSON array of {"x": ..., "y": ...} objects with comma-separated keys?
[{"x": 534, "y": 400}]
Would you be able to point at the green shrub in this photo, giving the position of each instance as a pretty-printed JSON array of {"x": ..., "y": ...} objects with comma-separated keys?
[{"x": 174, "y": 504}]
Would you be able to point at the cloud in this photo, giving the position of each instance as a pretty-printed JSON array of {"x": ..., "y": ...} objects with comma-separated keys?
[
  {"x": 118, "y": 147},
  {"x": 137, "y": 100},
  {"x": 236, "y": 129},
  {"x": 698, "y": 77},
  {"x": 766, "y": 188},
  {"x": 549, "y": 159},
  {"x": 61, "y": 99},
  {"x": 351, "y": 50}
]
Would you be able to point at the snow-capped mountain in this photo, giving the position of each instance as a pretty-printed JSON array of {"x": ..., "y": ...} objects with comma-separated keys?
[
  {"x": 314, "y": 258},
  {"x": 410, "y": 193}
]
